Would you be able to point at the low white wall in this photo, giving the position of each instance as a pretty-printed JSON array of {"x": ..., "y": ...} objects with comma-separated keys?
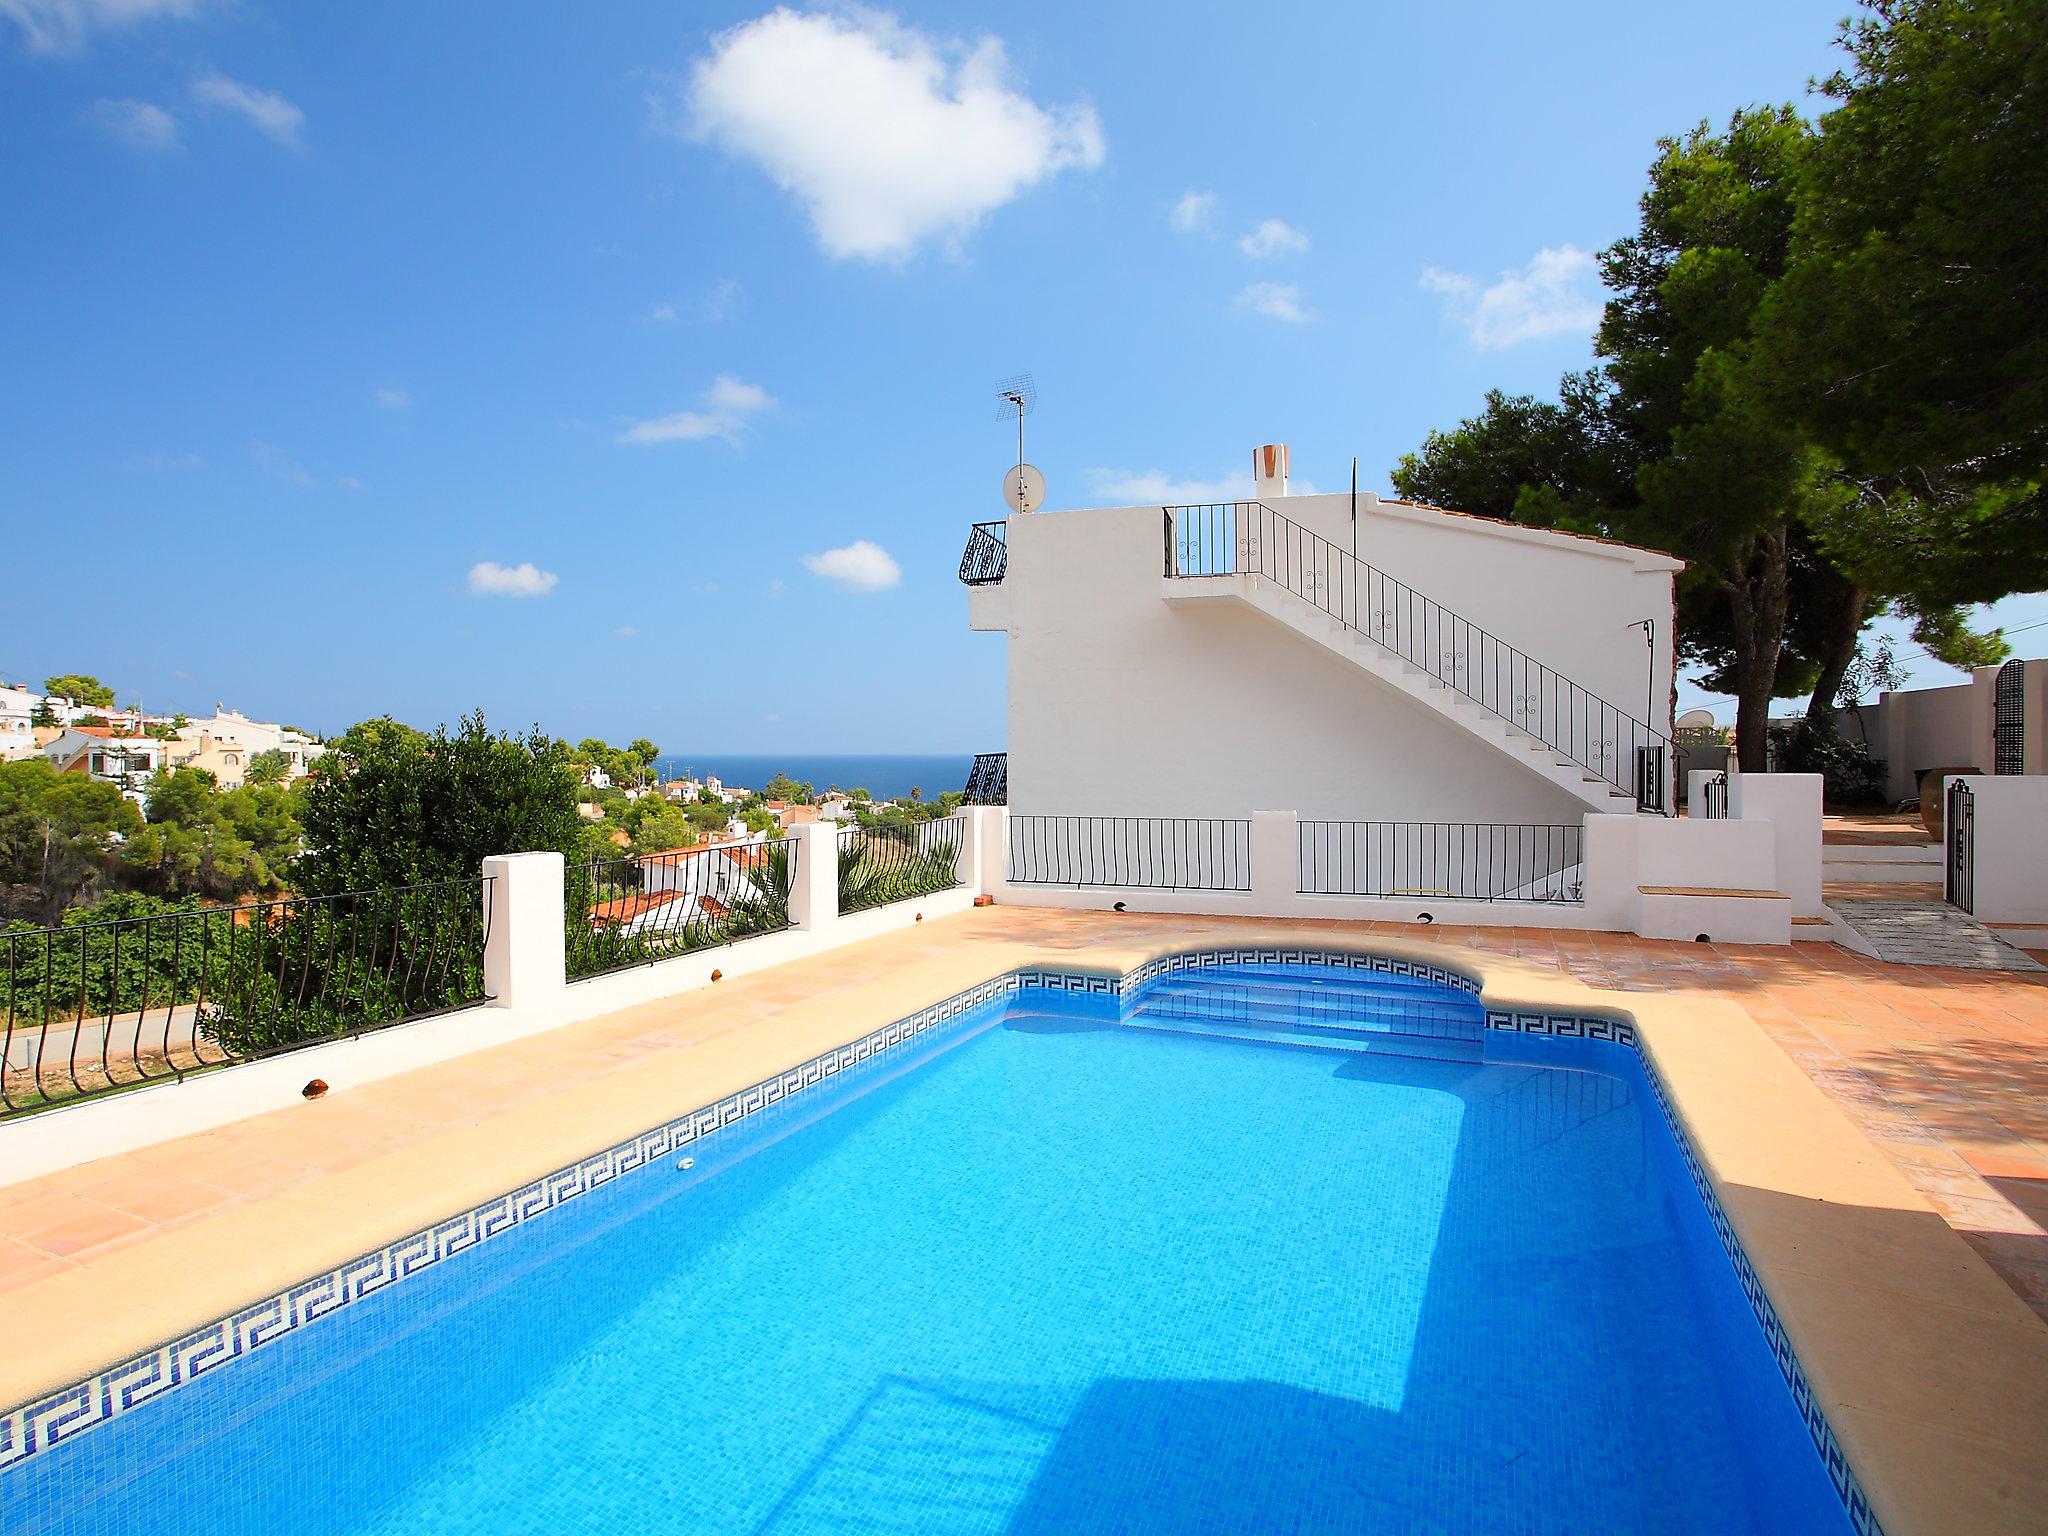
[
  {"x": 1791, "y": 804},
  {"x": 528, "y": 1000},
  {"x": 2011, "y": 859}
]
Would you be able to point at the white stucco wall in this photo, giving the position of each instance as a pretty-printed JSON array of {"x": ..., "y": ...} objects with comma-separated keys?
[
  {"x": 1123, "y": 704},
  {"x": 2011, "y": 847}
]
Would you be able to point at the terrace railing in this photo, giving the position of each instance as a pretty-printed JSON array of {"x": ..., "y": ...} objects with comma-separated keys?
[
  {"x": 93, "y": 1007},
  {"x": 1464, "y": 861},
  {"x": 884, "y": 862},
  {"x": 1714, "y": 798},
  {"x": 1181, "y": 853},
  {"x": 639, "y": 909},
  {"x": 1248, "y": 538},
  {"x": 987, "y": 557},
  {"x": 988, "y": 781}
]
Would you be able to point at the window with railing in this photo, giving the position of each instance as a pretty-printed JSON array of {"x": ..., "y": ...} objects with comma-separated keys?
[
  {"x": 883, "y": 862},
  {"x": 1463, "y": 861},
  {"x": 638, "y": 909},
  {"x": 1183, "y": 853},
  {"x": 96, "y": 1006}
]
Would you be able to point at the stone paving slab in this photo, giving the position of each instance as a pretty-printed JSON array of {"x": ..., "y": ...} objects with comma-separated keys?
[{"x": 1931, "y": 933}]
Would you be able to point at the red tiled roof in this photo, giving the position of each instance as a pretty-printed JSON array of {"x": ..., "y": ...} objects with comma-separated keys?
[{"x": 625, "y": 908}]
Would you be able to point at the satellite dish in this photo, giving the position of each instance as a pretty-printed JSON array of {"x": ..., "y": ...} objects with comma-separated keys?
[
  {"x": 1024, "y": 488},
  {"x": 1696, "y": 720}
]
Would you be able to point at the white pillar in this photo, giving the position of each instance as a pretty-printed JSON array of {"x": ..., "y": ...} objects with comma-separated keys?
[
  {"x": 1791, "y": 802},
  {"x": 1613, "y": 869},
  {"x": 525, "y": 955},
  {"x": 984, "y": 847},
  {"x": 1276, "y": 862},
  {"x": 814, "y": 884}
]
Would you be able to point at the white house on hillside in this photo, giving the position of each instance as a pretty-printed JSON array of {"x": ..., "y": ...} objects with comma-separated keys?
[{"x": 1367, "y": 661}]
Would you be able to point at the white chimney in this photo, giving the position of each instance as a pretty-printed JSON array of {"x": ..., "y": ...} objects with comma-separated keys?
[{"x": 1269, "y": 470}]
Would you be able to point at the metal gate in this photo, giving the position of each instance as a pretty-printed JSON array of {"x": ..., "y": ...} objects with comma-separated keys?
[
  {"x": 2009, "y": 719},
  {"x": 1960, "y": 885}
]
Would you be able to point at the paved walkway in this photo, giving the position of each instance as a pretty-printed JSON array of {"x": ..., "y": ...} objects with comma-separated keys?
[{"x": 1923, "y": 932}]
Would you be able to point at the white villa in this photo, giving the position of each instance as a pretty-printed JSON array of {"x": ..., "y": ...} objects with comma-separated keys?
[{"x": 1362, "y": 662}]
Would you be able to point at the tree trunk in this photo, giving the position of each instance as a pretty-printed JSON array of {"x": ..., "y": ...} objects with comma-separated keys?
[
  {"x": 1756, "y": 599},
  {"x": 1847, "y": 607}
]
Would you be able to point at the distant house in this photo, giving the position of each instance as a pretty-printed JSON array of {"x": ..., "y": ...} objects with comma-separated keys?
[
  {"x": 17, "y": 723},
  {"x": 229, "y": 728},
  {"x": 788, "y": 816},
  {"x": 590, "y": 776},
  {"x": 107, "y": 755},
  {"x": 228, "y": 762}
]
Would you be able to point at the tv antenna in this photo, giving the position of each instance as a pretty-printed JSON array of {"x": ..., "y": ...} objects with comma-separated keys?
[{"x": 1023, "y": 486}]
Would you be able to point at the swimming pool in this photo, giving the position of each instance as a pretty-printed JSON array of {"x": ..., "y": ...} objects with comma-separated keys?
[{"x": 1268, "y": 1246}]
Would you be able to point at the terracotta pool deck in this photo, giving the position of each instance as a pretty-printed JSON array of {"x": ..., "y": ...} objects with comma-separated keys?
[{"x": 1945, "y": 1072}]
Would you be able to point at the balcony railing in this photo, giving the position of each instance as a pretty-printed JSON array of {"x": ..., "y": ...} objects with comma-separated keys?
[
  {"x": 1181, "y": 853},
  {"x": 633, "y": 911},
  {"x": 1248, "y": 538},
  {"x": 988, "y": 781},
  {"x": 884, "y": 862},
  {"x": 1464, "y": 861},
  {"x": 987, "y": 556},
  {"x": 93, "y": 1007}
]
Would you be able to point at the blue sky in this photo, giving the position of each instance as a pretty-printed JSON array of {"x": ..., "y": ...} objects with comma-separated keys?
[{"x": 633, "y": 373}]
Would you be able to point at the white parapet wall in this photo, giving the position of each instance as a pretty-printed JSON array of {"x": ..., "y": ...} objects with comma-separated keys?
[
  {"x": 525, "y": 973},
  {"x": 2009, "y": 847},
  {"x": 1791, "y": 803}
]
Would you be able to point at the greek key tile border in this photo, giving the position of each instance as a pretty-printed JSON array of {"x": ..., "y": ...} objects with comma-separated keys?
[{"x": 60, "y": 1417}]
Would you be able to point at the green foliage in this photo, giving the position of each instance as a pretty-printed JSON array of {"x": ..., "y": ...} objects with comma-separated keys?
[
  {"x": 201, "y": 842},
  {"x": 270, "y": 767},
  {"x": 391, "y": 806},
  {"x": 43, "y": 714},
  {"x": 80, "y": 688},
  {"x": 60, "y": 835},
  {"x": 783, "y": 787},
  {"x": 1852, "y": 777},
  {"x": 758, "y": 904},
  {"x": 895, "y": 862}
]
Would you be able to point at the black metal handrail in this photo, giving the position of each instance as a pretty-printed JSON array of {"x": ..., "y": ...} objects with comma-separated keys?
[
  {"x": 654, "y": 906},
  {"x": 988, "y": 781},
  {"x": 1184, "y": 853},
  {"x": 1465, "y": 861},
  {"x": 1249, "y": 538},
  {"x": 92, "y": 1007},
  {"x": 987, "y": 556},
  {"x": 883, "y": 862}
]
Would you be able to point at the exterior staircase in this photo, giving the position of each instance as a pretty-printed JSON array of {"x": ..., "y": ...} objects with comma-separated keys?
[{"x": 1246, "y": 553}]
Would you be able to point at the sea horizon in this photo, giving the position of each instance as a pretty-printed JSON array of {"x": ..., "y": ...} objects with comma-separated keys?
[{"x": 885, "y": 775}]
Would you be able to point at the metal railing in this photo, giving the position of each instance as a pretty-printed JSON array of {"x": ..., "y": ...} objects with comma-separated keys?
[
  {"x": 1464, "y": 861},
  {"x": 988, "y": 781},
  {"x": 633, "y": 911},
  {"x": 884, "y": 862},
  {"x": 92, "y": 1007},
  {"x": 1182, "y": 853},
  {"x": 1959, "y": 863},
  {"x": 1250, "y": 538},
  {"x": 987, "y": 556},
  {"x": 1714, "y": 797}
]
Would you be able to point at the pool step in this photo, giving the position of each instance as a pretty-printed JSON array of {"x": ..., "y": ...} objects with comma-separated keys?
[
  {"x": 1350, "y": 1042},
  {"x": 1411, "y": 1009}
]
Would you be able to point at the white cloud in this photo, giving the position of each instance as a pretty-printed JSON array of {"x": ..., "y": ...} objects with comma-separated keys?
[
  {"x": 627, "y": 632},
  {"x": 1272, "y": 237},
  {"x": 859, "y": 567},
  {"x": 1194, "y": 213},
  {"x": 1276, "y": 301},
  {"x": 774, "y": 585},
  {"x": 724, "y": 301},
  {"x": 1157, "y": 488},
  {"x": 143, "y": 124},
  {"x": 888, "y": 136},
  {"x": 1556, "y": 294},
  {"x": 62, "y": 26},
  {"x": 487, "y": 578},
  {"x": 269, "y": 112},
  {"x": 393, "y": 398},
  {"x": 350, "y": 483},
  {"x": 729, "y": 404},
  {"x": 170, "y": 461},
  {"x": 279, "y": 463}
]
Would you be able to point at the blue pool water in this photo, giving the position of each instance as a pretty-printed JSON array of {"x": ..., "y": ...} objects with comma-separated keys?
[{"x": 1041, "y": 1271}]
